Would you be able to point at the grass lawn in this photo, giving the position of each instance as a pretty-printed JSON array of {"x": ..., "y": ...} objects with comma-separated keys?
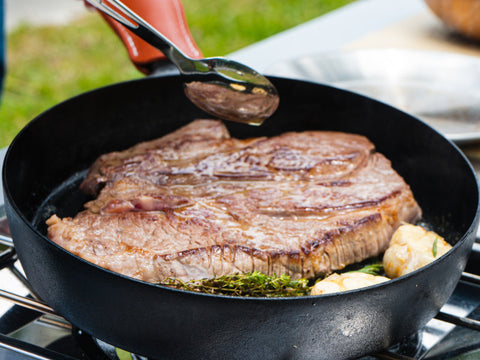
[{"x": 49, "y": 64}]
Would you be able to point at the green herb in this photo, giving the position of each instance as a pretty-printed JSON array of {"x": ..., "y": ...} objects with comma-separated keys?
[
  {"x": 434, "y": 247},
  {"x": 123, "y": 355},
  {"x": 372, "y": 269},
  {"x": 253, "y": 284}
]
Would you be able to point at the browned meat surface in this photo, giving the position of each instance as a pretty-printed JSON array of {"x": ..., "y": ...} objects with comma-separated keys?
[{"x": 197, "y": 203}]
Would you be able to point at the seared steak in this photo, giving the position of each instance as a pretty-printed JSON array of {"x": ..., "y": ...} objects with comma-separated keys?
[{"x": 197, "y": 203}]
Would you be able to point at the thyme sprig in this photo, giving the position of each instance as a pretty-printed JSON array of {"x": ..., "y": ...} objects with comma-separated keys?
[
  {"x": 254, "y": 284},
  {"x": 372, "y": 269},
  {"x": 434, "y": 247}
]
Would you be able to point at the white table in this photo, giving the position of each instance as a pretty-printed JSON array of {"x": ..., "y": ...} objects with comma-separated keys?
[{"x": 331, "y": 31}]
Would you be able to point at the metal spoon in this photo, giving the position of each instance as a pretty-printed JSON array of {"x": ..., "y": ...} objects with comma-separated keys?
[{"x": 224, "y": 88}]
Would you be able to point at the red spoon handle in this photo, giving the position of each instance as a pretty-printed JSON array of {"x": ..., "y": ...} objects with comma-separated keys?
[{"x": 168, "y": 17}]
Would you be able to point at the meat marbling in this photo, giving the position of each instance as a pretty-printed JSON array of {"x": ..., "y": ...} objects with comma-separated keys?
[{"x": 197, "y": 203}]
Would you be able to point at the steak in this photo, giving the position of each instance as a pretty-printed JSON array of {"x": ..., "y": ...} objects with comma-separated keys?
[{"x": 197, "y": 203}]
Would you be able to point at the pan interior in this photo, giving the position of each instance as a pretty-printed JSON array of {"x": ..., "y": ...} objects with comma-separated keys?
[{"x": 69, "y": 137}]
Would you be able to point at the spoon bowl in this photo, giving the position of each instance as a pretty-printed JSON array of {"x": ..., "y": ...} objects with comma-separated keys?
[
  {"x": 224, "y": 88},
  {"x": 231, "y": 91}
]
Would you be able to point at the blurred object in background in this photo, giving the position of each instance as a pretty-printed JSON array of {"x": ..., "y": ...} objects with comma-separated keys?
[
  {"x": 463, "y": 16},
  {"x": 40, "y": 12}
]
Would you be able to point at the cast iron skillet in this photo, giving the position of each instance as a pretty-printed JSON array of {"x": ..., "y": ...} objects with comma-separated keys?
[{"x": 48, "y": 159}]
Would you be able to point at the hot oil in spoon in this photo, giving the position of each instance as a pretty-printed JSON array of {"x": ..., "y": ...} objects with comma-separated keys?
[
  {"x": 232, "y": 91},
  {"x": 234, "y": 102}
]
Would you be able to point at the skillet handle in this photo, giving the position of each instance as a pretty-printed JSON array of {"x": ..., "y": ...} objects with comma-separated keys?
[{"x": 168, "y": 17}]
